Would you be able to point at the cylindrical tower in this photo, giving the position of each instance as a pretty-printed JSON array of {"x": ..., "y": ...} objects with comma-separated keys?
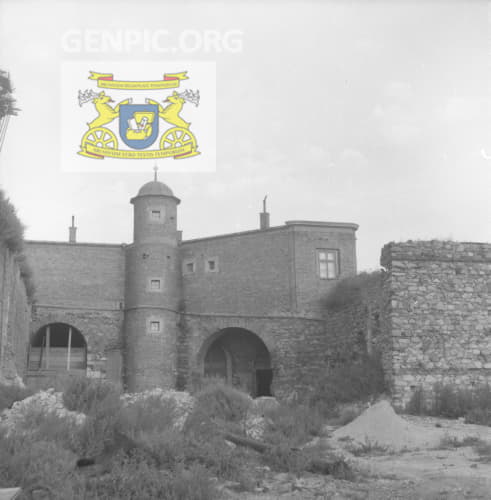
[{"x": 153, "y": 290}]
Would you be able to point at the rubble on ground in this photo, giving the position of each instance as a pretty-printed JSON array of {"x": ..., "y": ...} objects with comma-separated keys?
[
  {"x": 45, "y": 402},
  {"x": 183, "y": 402},
  {"x": 256, "y": 422}
]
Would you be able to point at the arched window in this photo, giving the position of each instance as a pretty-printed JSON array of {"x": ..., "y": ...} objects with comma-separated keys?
[{"x": 57, "y": 347}]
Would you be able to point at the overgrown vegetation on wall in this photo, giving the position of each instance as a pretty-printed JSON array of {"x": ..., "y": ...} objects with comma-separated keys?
[
  {"x": 12, "y": 236},
  {"x": 354, "y": 289}
]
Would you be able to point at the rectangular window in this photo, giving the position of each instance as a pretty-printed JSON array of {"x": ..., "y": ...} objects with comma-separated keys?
[
  {"x": 211, "y": 265},
  {"x": 155, "y": 215},
  {"x": 328, "y": 264},
  {"x": 155, "y": 326},
  {"x": 155, "y": 285},
  {"x": 189, "y": 267}
]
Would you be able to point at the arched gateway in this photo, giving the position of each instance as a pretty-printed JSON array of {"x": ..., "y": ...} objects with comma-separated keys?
[
  {"x": 57, "y": 347},
  {"x": 239, "y": 357}
]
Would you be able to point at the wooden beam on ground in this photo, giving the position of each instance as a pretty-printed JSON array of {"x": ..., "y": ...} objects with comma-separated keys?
[{"x": 9, "y": 493}]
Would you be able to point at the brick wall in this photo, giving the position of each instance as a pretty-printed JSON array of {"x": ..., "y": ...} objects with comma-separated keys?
[
  {"x": 437, "y": 314},
  {"x": 81, "y": 285},
  {"x": 296, "y": 346},
  {"x": 266, "y": 272},
  {"x": 310, "y": 289}
]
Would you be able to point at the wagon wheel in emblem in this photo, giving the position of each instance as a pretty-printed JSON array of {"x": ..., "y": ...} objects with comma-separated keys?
[
  {"x": 176, "y": 137},
  {"x": 99, "y": 137}
]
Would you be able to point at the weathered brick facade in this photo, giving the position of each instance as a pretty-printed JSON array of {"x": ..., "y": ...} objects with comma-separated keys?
[
  {"x": 159, "y": 304},
  {"x": 436, "y": 321}
]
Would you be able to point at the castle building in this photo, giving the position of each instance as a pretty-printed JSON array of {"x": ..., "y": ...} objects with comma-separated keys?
[{"x": 163, "y": 311}]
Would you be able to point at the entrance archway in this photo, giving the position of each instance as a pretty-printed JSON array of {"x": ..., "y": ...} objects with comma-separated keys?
[
  {"x": 57, "y": 347},
  {"x": 241, "y": 358}
]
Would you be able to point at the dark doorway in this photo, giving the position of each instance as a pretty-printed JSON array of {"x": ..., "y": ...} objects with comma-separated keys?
[
  {"x": 241, "y": 358},
  {"x": 264, "y": 378}
]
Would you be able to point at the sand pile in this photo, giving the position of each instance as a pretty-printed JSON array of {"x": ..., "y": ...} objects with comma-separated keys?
[{"x": 379, "y": 425}]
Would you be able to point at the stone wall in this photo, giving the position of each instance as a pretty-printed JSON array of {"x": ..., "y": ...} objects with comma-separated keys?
[
  {"x": 81, "y": 285},
  {"x": 436, "y": 321},
  {"x": 14, "y": 319},
  {"x": 296, "y": 346}
]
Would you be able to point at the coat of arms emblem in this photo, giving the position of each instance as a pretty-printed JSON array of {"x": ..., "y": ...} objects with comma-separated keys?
[{"x": 139, "y": 124}]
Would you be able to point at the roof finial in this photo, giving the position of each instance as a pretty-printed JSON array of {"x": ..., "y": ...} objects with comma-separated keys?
[{"x": 155, "y": 169}]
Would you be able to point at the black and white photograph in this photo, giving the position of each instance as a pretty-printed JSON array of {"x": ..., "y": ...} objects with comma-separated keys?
[{"x": 245, "y": 250}]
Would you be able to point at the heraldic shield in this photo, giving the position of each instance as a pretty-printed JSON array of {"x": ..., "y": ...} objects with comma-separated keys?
[{"x": 139, "y": 124}]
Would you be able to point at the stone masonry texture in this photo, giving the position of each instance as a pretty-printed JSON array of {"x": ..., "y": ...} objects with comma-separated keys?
[{"x": 436, "y": 318}]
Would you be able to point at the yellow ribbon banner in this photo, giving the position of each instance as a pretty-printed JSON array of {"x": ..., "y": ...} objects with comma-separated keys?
[
  {"x": 170, "y": 81},
  {"x": 184, "y": 151}
]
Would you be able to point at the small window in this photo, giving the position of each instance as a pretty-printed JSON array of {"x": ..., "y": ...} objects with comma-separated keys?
[
  {"x": 155, "y": 215},
  {"x": 328, "y": 264},
  {"x": 189, "y": 267},
  {"x": 155, "y": 326},
  {"x": 155, "y": 285},
  {"x": 211, "y": 265}
]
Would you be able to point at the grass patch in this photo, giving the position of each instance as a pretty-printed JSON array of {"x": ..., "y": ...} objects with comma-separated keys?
[
  {"x": 449, "y": 442},
  {"x": 9, "y": 394},
  {"x": 449, "y": 402},
  {"x": 483, "y": 449}
]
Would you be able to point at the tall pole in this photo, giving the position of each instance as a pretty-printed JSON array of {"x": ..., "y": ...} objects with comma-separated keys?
[
  {"x": 48, "y": 343},
  {"x": 69, "y": 348}
]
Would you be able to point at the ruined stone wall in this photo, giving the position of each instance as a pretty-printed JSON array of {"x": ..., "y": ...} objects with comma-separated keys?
[
  {"x": 14, "y": 319},
  {"x": 436, "y": 319}
]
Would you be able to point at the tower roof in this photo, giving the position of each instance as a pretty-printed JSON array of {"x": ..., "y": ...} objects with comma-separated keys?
[{"x": 155, "y": 188}]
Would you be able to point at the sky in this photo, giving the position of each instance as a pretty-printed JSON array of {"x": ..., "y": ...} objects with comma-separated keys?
[{"x": 372, "y": 112}]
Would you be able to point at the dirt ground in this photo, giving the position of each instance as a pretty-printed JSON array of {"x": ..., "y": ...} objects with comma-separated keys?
[{"x": 452, "y": 473}]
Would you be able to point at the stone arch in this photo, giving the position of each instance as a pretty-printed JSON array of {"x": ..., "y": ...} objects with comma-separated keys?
[
  {"x": 57, "y": 347},
  {"x": 240, "y": 357}
]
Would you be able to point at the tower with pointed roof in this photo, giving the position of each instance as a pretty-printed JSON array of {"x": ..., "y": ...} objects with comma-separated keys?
[{"x": 153, "y": 289}]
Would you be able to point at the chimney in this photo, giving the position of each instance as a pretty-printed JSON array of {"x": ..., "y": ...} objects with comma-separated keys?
[
  {"x": 264, "y": 216},
  {"x": 72, "y": 232}
]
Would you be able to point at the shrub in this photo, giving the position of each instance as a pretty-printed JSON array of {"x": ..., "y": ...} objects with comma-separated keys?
[
  {"x": 9, "y": 394},
  {"x": 11, "y": 229},
  {"x": 36, "y": 465},
  {"x": 293, "y": 424},
  {"x": 148, "y": 415},
  {"x": 345, "y": 383},
  {"x": 353, "y": 289},
  {"x": 449, "y": 402},
  {"x": 132, "y": 477},
  {"x": 90, "y": 396},
  {"x": 217, "y": 405},
  {"x": 417, "y": 404}
]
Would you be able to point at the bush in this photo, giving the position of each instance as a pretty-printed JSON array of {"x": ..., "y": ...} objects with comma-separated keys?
[
  {"x": 293, "y": 424},
  {"x": 217, "y": 405},
  {"x": 450, "y": 402},
  {"x": 353, "y": 289},
  {"x": 133, "y": 477},
  {"x": 345, "y": 383},
  {"x": 90, "y": 396},
  {"x": 9, "y": 394},
  {"x": 36, "y": 465},
  {"x": 11, "y": 229},
  {"x": 149, "y": 415}
]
